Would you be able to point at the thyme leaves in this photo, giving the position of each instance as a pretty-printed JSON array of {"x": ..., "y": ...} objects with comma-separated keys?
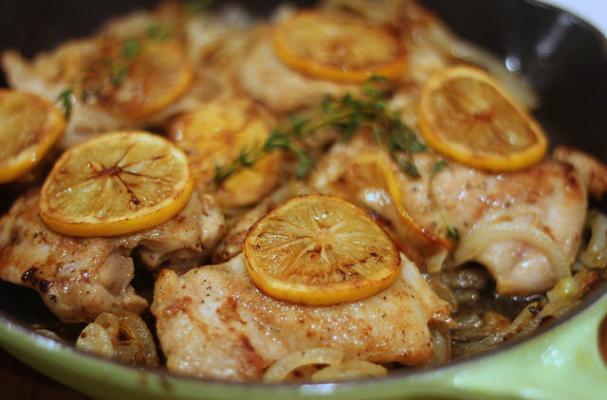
[
  {"x": 66, "y": 101},
  {"x": 346, "y": 115}
]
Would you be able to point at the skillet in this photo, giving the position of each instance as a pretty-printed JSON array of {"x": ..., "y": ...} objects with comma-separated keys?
[{"x": 563, "y": 58}]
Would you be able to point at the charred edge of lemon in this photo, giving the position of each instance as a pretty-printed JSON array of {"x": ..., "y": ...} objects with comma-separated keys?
[
  {"x": 325, "y": 295},
  {"x": 423, "y": 235},
  {"x": 391, "y": 70},
  {"x": 492, "y": 163},
  {"x": 55, "y": 124},
  {"x": 330, "y": 294},
  {"x": 122, "y": 226}
]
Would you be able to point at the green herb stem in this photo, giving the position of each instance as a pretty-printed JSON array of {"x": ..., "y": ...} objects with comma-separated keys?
[
  {"x": 346, "y": 115},
  {"x": 66, "y": 101}
]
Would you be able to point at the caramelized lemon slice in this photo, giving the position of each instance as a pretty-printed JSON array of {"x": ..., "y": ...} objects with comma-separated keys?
[
  {"x": 155, "y": 74},
  {"x": 215, "y": 135},
  {"x": 464, "y": 114},
  {"x": 116, "y": 184},
  {"x": 370, "y": 180},
  {"x": 338, "y": 48},
  {"x": 29, "y": 126},
  {"x": 320, "y": 250}
]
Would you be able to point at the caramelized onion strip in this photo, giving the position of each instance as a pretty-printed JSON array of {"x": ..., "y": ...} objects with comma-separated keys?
[
  {"x": 595, "y": 254},
  {"x": 122, "y": 336},
  {"x": 486, "y": 234},
  {"x": 349, "y": 370},
  {"x": 284, "y": 367}
]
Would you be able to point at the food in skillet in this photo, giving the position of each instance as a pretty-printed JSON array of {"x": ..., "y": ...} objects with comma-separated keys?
[
  {"x": 331, "y": 194},
  {"x": 138, "y": 71}
]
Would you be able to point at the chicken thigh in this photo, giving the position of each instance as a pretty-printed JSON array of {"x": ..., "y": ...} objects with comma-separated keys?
[
  {"x": 213, "y": 322},
  {"x": 79, "y": 278},
  {"x": 532, "y": 219}
]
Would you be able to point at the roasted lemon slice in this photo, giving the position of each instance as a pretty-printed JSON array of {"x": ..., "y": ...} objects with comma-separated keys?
[
  {"x": 29, "y": 126},
  {"x": 116, "y": 184},
  {"x": 216, "y": 134},
  {"x": 149, "y": 77},
  {"x": 338, "y": 48},
  {"x": 320, "y": 250},
  {"x": 464, "y": 115},
  {"x": 370, "y": 180}
]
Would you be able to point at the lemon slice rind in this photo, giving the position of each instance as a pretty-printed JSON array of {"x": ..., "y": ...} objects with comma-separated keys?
[
  {"x": 284, "y": 35},
  {"x": 321, "y": 289},
  {"x": 477, "y": 158},
  {"x": 52, "y": 128},
  {"x": 99, "y": 196}
]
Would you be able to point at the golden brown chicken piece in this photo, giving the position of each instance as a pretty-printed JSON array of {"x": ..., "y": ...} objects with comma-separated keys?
[
  {"x": 201, "y": 52},
  {"x": 80, "y": 278},
  {"x": 213, "y": 322},
  {"x": 231, "y": 244},
  {"x": 592, "y": 172},
  {"x": 429, "y": 44},
  {"x": 546, "y": 201},
  {"x": 528, "y": 212},
  {"x": 266, "y": 79}
]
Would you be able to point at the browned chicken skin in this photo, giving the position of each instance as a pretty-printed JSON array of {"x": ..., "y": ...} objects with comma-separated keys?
[
  {"x": 80, "y": 278},
  {"x": 549, "y": 197},
  {"x": 213, "y": 322},
  {"x": 266, "y": 79},
  {"x": 210, "y": 46},
  {"x": 592, "y": 172}
]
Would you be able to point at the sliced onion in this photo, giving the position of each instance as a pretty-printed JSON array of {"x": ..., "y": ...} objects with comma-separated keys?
[
  {"x": 561, "y": 299},
  {"x": 349, "y": 370},
  {"x": 595, "y": 254},
  {"x": 284, "y": 367},
  {"x": 434, "y": 263},
  {"x": 442, "y": 290},
  {"x": 523, "y": 324},
  {"x": 95, "y": 339},
  {"x": 122, "y": 336},
  {"x": 567, "y": 293},
  {"x": 48, "y": 333},
  {"x": 441, "y": 343},
  {"x": 486, "y": 234}
]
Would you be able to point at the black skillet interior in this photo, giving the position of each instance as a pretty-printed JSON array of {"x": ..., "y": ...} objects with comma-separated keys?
[{"x": 561, "y": 56}]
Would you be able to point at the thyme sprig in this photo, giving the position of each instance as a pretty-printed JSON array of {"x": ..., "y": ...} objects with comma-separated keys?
[
  {"x": 438, "y": 167},
  {"x": 196, "y": 6},
  {"x": 451, "y": 231},
  {"x": 159, "y": 31},
  {"x": 66, "y": 101},
  {"x": 347, "y": 115},
  {"x": 113, "y": 69}
]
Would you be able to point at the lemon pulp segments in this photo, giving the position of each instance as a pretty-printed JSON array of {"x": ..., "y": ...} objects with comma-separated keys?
[
  {"x": 320, "y": 250},
  {"x": 338, "y": 48},
  {"x": 466, "y": 116},
  {"x": 116, "y": 184},
  {"x": 29, "y": 126}
]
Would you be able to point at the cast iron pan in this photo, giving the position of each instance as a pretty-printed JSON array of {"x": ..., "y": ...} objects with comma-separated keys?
[{"x": 564, "y": 59}]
